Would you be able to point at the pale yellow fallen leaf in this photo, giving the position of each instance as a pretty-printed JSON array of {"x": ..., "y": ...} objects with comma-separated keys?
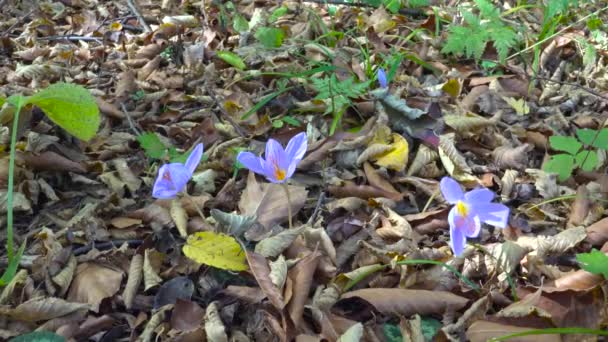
[{"x": 395, "y": 159}]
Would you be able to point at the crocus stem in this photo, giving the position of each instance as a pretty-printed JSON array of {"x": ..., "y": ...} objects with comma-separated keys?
[
  {"x": 288, "y": 204},
  {"x": 198, "y": 209}
]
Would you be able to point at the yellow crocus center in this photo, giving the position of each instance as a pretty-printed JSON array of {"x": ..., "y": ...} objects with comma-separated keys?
[
  {"x": 462, "y": 209},
  {"x": 279, "y": 173}
]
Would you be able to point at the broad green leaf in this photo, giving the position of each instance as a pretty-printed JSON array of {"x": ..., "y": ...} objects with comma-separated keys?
[
  {"x": 276, "y": 14},
  {"x": 565, "y": 144},
  {"x": 430, "y": 328},
  {"x": 586, "y": 136},
  {"x": 232, "y": 59},
  {"x": 240, "y": 24},
  {"x": 562, "y": 164},
  {"x": 392, "y": 333},
  {"x": 217, "y": 250},
  {"x": 152, "y": 145},
  {"x": 39, "y": 336},
  {"x": 595, "y": 262},
  {"x": 13, "y": 265},
  {"x": 2, "y": 101},
  {"x": 292, "y": 121},
  {"x": 590, "y": 159},
  {"x": 71, "y": 107},
  {"x": 270, "y": 37},
  {"x": 392, "y": 6}
]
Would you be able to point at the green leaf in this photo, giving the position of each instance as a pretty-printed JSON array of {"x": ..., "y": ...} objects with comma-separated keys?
[
  {"x": 392, "y": 6},
  {"x": 562, "y": 164},
  {"x": 430, "y": 328},
  {"x": 240, "y": 24},
  {"x": 565, "y": 144},
  {"x": 586, "y": 135},
  {"x": 270, "y": 37},
  {"x": 39, "y": 336},
  {"x": 292, "y": 121},
  {"x": 276, "y": 14},
  {"x": 595, "y": 262},
  {"x": 13, "y": 265},
  {"x": 590, "y": 159},
  {"x": 392, "y": 333},
  {"x": 71, "y": 107},
  {"x": 277, "y": 124},
  {"x": 232, "y": 59},
  {"x": 152, "y": 145}
]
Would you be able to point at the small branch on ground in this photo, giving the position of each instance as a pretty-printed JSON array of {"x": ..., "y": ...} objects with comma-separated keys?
[{"x": 140, "y": 18}]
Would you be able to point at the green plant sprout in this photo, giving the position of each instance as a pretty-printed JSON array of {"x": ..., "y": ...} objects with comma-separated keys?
[
  {"x": 579, "y": 153},
  {"x": 594, "y": 262},
  {"x": 470, "y": 40},
  {"x": 72, "y": 108}
]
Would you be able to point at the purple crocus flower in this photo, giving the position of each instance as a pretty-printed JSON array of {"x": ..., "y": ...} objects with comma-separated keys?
[
  {"x": 172, "y": 178},
  {"x": 382, "y": 78},
  {"x": 470, "y": 209},
  {"x": 279, "y": 164}
]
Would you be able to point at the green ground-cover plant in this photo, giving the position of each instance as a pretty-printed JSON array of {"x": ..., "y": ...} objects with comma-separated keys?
[
  {"x": 72, "y": 108},
  {"x": 578, "y": 153}
]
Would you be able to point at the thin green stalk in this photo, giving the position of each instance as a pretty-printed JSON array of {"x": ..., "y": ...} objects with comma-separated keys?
[
  {"x": 551, "y": 331},
  {"x": 11, "y": 181},
  {"x": 288, "y": 204}
]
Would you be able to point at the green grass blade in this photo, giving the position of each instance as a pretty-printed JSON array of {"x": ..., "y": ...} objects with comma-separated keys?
[
  {"x": 13, "y": 265},
  {"x": 551, "y": 331}
]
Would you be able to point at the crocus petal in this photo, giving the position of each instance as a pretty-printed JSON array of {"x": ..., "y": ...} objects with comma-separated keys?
[
  {"x": 494, "y": 214},
  {"x": 481, "y": 195},
  {"x": 276, "y": 161},
  {"x": 253, "y": 163},
  {"x": 450, "y": 189},
  {"x": 457, "y": 237},
  {"x": 471, "y": 226},
  {"x": 194, "y": 158},
  {"x": 382, "y": 78},
  {"x": 296, "y": 148},
  {"x": 172, "y": 178}
]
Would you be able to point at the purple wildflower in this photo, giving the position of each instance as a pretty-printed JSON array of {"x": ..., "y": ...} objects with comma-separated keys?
[
  {"x": 382, "y": 78},
  {"x": 279, "y": 164},
  {"x": 470, "y": 209},
  {"x": 172, "y": 178}
]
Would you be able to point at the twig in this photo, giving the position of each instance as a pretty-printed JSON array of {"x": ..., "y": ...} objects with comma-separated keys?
[
  {"x": 225, "y": 114},
  {"x": 403, "y": 11},
  {"x": 131, "y": 123},
  {"x": 140, "y": 18},
  {"x": 582, "y": 87},
  {"x": 105, "y": 245},
  {"x": 71, "y": 38},
  {"x": 317, "y": 208}
]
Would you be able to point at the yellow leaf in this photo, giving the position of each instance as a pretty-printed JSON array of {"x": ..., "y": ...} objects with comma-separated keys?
[
  {"x": 217, "y": 250},
  {"x": 395, "y": 159},
  {"x": 452, "y": 87},
  {"x": 520, "y": 106}
]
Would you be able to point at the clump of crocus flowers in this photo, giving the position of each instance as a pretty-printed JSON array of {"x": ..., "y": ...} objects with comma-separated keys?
[
  {"x": 469, "y": 211},
  {"x": 172, "y": 178}
]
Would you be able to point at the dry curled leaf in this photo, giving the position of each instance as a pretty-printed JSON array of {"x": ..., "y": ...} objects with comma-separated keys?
[
  {"x": 508, "y": 157},
  {"x": 93, "y": 283},
  {"x": 134, "y": 280}
]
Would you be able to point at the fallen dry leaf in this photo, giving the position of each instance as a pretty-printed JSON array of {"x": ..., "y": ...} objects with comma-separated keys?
[{"x": 94, "y": 282}]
